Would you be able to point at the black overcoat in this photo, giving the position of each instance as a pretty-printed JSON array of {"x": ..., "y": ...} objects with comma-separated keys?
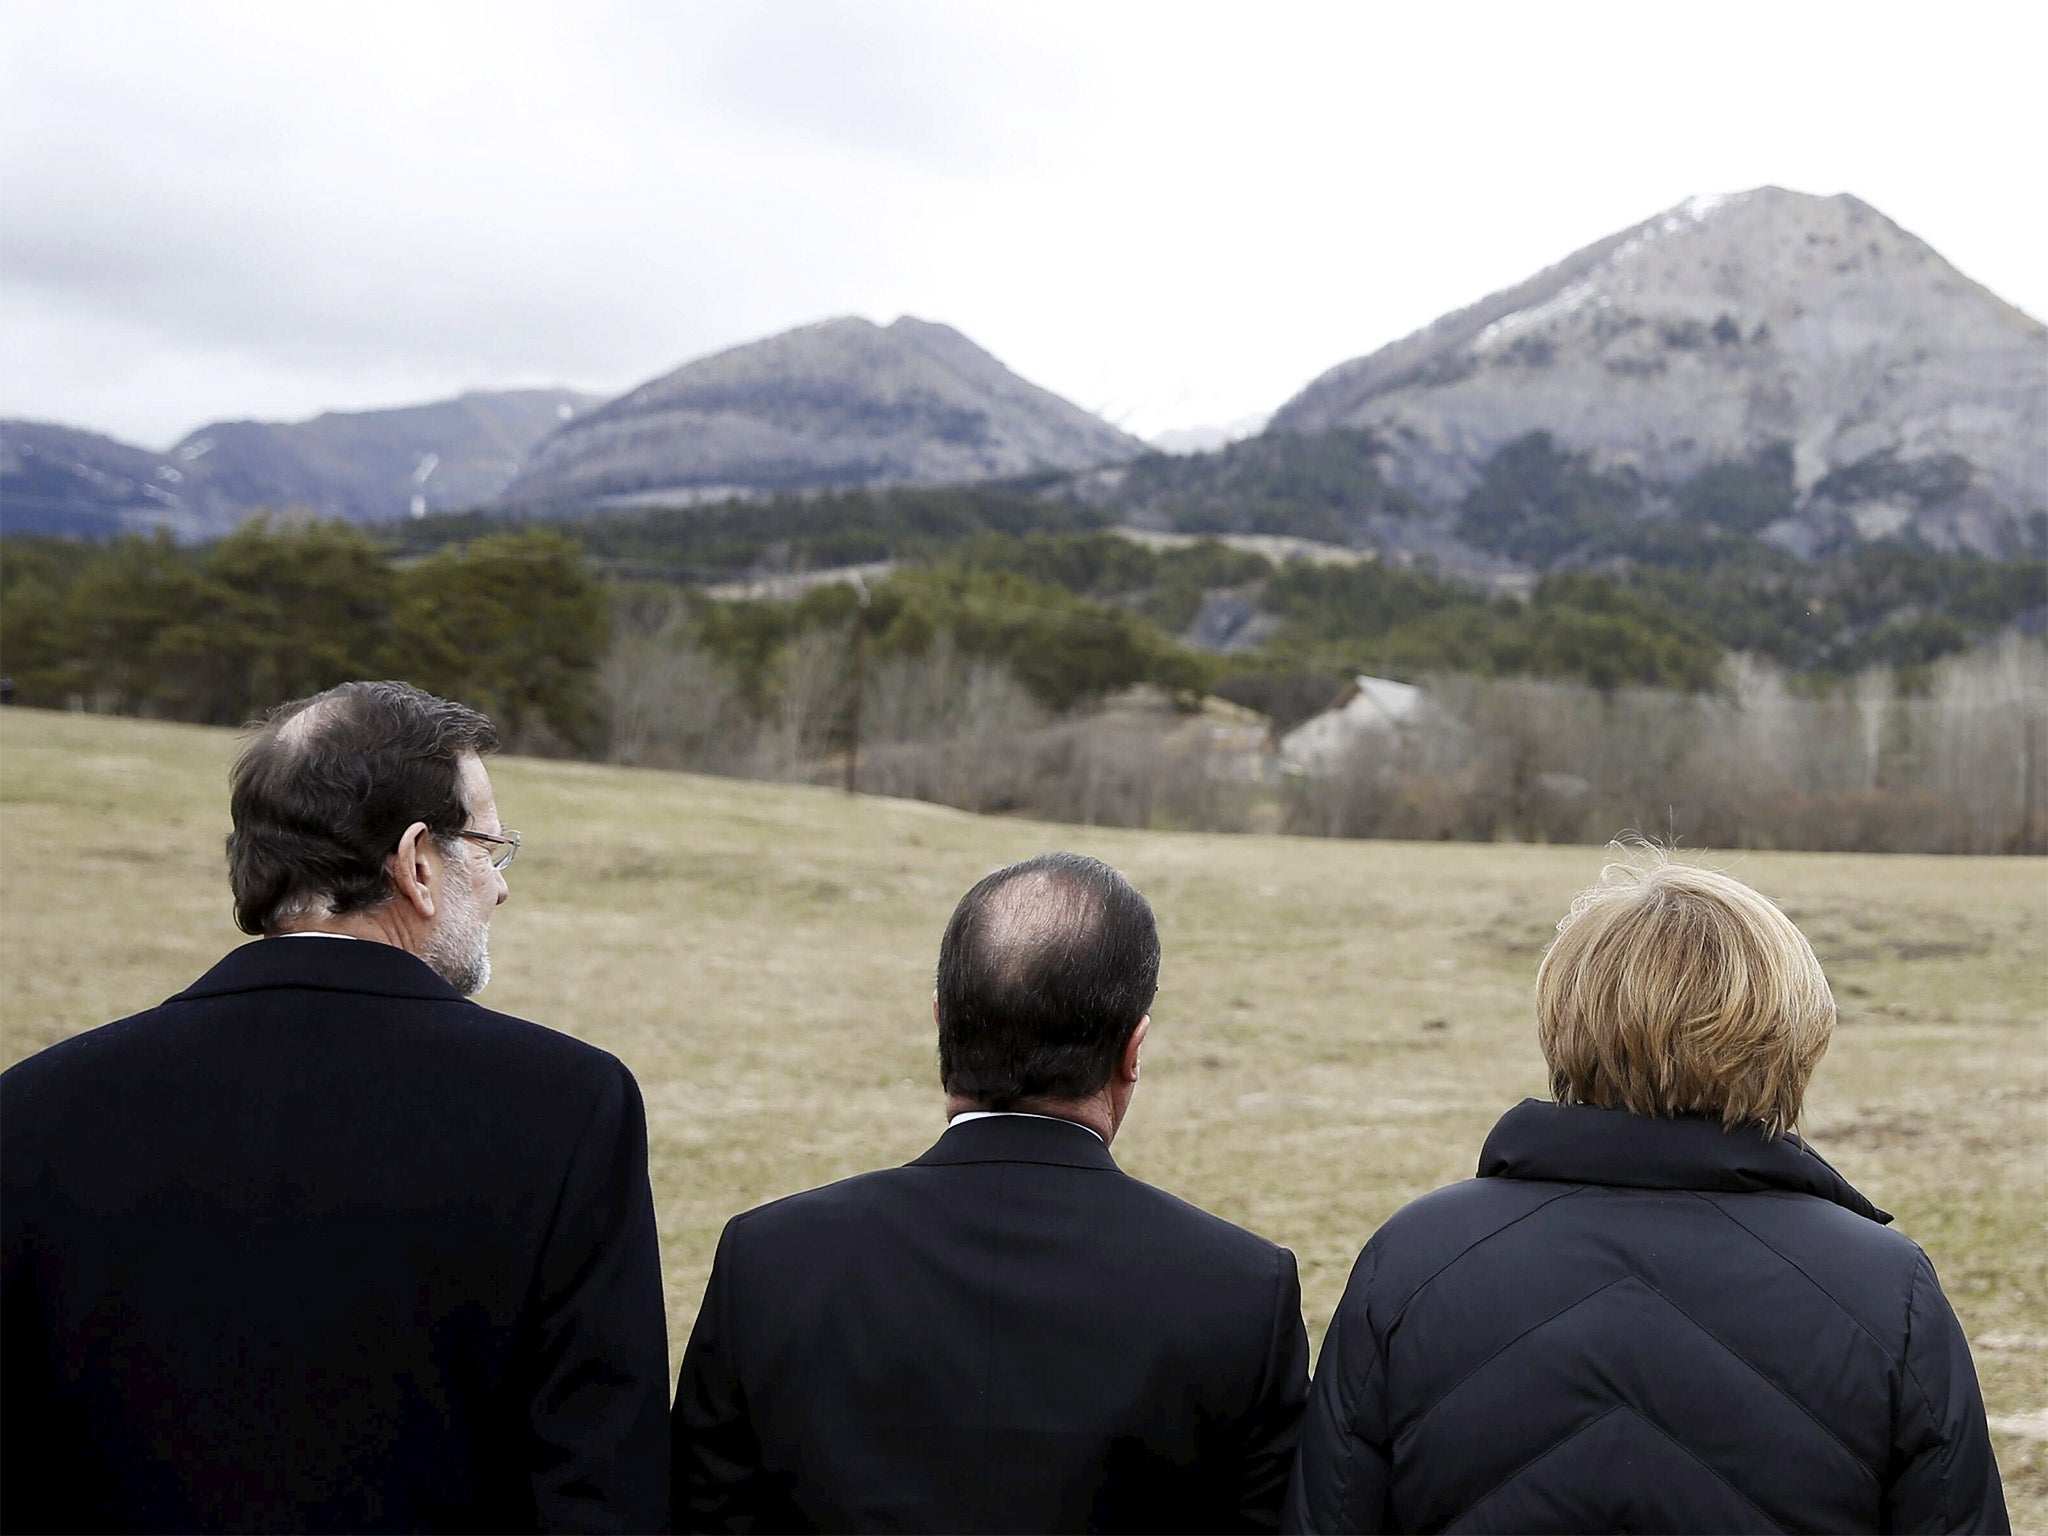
[
  {"x": 1009, "y": 1334},
  {"x": 320, "y": 1245},
  {"x": 1635, "y": 1324}
]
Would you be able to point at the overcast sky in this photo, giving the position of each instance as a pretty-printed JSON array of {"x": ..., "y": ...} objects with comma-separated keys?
[{"x": 1173, "y": 214}]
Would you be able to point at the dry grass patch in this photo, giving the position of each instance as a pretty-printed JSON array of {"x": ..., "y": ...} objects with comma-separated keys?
[{"x": 1338, "y": 1024}]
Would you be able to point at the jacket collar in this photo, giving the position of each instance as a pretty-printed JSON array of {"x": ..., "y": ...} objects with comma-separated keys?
[
  {"x": 1019, "y": 1139},
  {"x": 1582, "y": 1144},
  {"x": 330, "y": 965}
]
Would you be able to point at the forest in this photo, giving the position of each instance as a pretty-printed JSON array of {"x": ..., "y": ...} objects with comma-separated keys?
[{"x": 988, "y": 660}]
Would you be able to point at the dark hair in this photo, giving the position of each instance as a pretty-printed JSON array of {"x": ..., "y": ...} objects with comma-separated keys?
[
  {"x": 1045, "y": 969},
  {"x": 326, "y": 787}
]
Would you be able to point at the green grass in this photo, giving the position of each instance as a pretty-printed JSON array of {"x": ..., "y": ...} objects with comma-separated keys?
[{"x": 1337, "y": 1027}]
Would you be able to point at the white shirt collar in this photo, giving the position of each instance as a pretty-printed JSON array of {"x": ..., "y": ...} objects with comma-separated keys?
[
  {"x": 314, "y": 933},
  {"x": 966, "y": 1115}
]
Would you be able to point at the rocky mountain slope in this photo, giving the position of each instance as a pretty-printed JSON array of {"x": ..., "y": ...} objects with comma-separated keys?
[
  {"x": 1910, "y": 399},
  {"x": 366, "y": 466},
  {"x": 839, "y": 404}
]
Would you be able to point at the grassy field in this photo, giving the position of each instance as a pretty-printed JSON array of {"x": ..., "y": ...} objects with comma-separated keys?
[{"x": 1338, "y": 1023}]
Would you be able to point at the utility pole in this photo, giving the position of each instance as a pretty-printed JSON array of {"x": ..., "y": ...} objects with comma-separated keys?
[{"x": 860, "y": 668}]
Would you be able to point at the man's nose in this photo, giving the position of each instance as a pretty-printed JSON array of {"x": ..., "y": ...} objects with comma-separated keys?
[{"x": 504, "y": 888}]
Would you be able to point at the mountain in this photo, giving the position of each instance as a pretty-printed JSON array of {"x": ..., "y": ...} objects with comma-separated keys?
[
  {"x": 63, "y": 480},
  {"x": 1767, "y": 327},
  {"x": 366, "y": 466},
  {"x": 840, "y": 404},
  {"x": 1208, "y": 437},
  {"x": 369, "y": 466}
]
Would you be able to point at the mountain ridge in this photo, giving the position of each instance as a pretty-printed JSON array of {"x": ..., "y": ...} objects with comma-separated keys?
[
  {"x": 1756, "y": 364},
  {"x": 365, "y": 466},
  {"x": 1711, "y": 332},
  {"x": 840, "y": 403}
]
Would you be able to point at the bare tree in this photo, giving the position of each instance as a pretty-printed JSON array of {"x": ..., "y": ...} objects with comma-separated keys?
[
  {"x": 668, "y": 701},
  {"x": 1980, "y": 740},
  {"x": 1873, "y": 690},
  {"x": 950, "y": 727},
  {"x": 808, "y": 697},
  {"x": 1758, "y": 763}
]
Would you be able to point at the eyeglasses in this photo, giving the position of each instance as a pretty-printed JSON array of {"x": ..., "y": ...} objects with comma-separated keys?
[{"x": 503, "y": 849}]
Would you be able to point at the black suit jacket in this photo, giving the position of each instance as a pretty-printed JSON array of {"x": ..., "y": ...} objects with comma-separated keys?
[
  {"x": 1009, "y": 1334},
  {"x": 318, "y": 1244}
]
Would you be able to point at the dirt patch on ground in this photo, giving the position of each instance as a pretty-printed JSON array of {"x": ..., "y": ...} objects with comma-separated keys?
[
  {"x": 1873, "y": 1128},
  {"x": 2011, "y": 1343}
]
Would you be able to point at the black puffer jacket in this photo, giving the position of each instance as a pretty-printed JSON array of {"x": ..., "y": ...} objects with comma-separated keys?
[{"x": 1631, "y": 1324}]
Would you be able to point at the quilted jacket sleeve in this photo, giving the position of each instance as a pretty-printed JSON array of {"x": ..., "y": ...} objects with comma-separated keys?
[
  {"x": 1343, "y": 1471},
  {"x": 1943, "y": 1476}
]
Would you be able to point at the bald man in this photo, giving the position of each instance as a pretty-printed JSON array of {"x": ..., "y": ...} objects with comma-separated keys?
[{"x": 1009, "y": 1334}]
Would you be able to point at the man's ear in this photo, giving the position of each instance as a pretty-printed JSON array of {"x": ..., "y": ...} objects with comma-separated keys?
[
  {"x": 1127, "y": 1065},
  {"x": 412, "y": 875}
]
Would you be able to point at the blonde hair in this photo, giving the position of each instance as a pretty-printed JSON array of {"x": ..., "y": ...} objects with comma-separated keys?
[{"x": 1672, "y": 989}]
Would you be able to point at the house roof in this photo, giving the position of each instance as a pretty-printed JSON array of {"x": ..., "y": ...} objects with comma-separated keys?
[{"x": 1366, "y": 697}]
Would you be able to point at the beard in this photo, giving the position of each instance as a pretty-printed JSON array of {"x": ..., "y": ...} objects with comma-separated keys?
[{"x": 459, "y": 949}]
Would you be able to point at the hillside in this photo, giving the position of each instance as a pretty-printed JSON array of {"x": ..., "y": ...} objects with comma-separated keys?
[
  {"x": 1905, "y": 398},
  {"x": 839, "y": 404},
  {"x": 363, "y": 466}
]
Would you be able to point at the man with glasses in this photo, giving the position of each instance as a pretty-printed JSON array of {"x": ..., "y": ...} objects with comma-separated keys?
[{"x": 319, "y": 1244}]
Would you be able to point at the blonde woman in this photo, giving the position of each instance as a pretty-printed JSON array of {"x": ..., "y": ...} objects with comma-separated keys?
[{"x": 1655, "y": 1309}]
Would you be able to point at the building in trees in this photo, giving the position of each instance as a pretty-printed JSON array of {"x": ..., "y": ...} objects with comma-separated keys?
[{"x": 1369, "y": 707}]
